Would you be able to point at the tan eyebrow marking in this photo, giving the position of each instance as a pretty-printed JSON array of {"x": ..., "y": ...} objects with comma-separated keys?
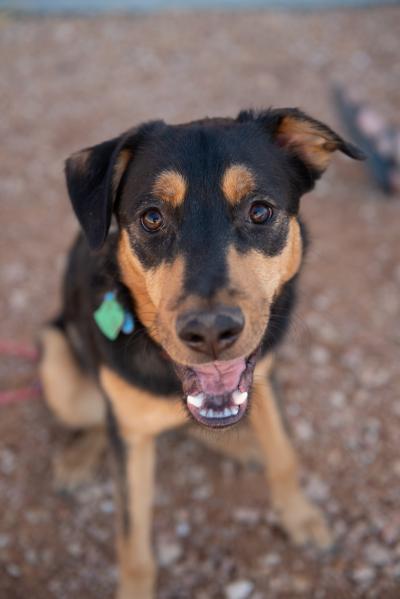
[
  {"x": 237, "y": 182},
  {"x": 170, "y": 186}
]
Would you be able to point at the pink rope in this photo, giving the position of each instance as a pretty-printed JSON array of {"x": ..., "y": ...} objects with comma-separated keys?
[
  {"x": 19, "y": 350},
  {"x": 20, "y": 394},
  {"x": 26, "y": 352}
]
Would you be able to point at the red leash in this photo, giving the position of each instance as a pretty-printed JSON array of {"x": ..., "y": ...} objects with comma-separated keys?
[
  {"x": 20, "y": 394},
  {"x": 25, "y": 352}
]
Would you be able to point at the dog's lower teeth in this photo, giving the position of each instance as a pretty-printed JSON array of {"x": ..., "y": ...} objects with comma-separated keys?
[
  {"x": 197, "y": 401},
  {"x": 215, "y": 414}
]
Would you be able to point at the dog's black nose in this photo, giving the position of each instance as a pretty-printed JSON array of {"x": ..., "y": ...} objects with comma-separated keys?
[{"x": 210, "y": 332}]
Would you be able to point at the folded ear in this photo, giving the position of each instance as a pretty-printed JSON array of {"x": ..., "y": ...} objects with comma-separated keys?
[
  {"x": 93, "y": 178},
  {"x": 310, "y": 140},
  {"x": 307, "y": 140}
]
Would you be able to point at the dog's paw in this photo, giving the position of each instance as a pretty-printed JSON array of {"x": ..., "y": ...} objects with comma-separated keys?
[
  {"x": 79, "y": 460},
  {"x": 305, "y": 524},
  {"x": 139, "y": 586}
]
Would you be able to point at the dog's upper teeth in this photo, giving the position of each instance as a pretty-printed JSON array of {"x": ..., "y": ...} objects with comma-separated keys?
[
  {"x": 196, "y": 400},
  {"x": 239, "y": 397}
]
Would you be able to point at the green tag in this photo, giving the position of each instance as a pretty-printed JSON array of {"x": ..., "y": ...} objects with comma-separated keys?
[{"x": 110, "y": 316}]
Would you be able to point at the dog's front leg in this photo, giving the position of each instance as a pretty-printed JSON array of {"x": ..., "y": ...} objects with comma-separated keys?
[
  {"x": 136, "y": 417},
  {"x": 136, "y": 491},
  {"x": 301, "y": 519}
]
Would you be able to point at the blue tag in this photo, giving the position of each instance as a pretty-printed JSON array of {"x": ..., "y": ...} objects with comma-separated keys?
[
  {"x": 128, "y": 325},
  {"x": 109, "y": 296}
]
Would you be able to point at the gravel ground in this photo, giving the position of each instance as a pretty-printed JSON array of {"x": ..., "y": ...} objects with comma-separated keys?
[{"x": 66, "y": 84}]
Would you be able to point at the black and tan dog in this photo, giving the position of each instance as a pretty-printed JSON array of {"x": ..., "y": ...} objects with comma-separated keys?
[{"x": 175, "y": 314}]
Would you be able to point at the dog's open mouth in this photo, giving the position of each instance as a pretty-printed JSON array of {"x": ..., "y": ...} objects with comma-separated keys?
[{"x": 217, "y": 393}]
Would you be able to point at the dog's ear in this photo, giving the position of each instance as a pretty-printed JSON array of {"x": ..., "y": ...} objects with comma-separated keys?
[
  {"x": 93, "y": 178},
  {"x": 312, "y": 141},
  {"x": 308, "y": 142}
]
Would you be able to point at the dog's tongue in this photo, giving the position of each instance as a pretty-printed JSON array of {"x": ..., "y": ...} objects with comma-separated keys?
[{"x": 218, "y": 377}]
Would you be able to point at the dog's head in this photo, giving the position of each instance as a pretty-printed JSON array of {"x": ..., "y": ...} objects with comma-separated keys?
[{"x": 207, "y": 214}]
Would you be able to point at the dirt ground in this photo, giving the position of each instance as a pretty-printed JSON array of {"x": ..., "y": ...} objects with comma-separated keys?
[{"x": 66, "y": 84}]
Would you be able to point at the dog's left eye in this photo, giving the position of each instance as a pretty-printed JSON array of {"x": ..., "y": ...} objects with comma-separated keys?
[
  {"x": 260, "y": 213},
  {"x": 152, "y": 220}
]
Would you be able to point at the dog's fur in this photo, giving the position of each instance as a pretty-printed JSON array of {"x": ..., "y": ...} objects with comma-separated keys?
[{"x": 204, "y": 178}]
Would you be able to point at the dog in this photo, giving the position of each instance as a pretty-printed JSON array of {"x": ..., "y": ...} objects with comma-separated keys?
[{"x": 176, "y": 295}]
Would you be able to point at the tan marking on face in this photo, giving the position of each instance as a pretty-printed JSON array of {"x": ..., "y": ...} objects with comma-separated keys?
[
  {"x": 292, "y": 253},
  {"x": 268, "y": 273},
  {"x": 170, "y": 186},
  {"x": 134, "y": 277},
  {"x": 154, "y": 290},
  {"x": 138, "y": 411},
  {"x": 311, "y": 142},
  {"x": 259, "y": 279},
  {"x": 237, "y": 182}
]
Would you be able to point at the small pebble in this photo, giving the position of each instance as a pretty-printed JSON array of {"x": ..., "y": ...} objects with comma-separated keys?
[
  {"x": 107, "y": 506},
  {"x": 395, "y": 572},
  {"x": 377, "y": 555},
  {"x": 183, "y": 529},
  {"x": 317, "y": 489},
  {"x": 202, "y": 493},
  {"x": 74, "y": 549},
  {"x": 240, "y": 589},
  {"x": 304, "y": 430},
  {"x": 246, "y": 515},
  {"x": 363, "y": 575},
  {"x": 4, "y": 541},
  {"x": 269, "y": 560},
  {"x": 168, "y": 553},
  {"x": 337, "y": 399},
  {"x": 7, "y": 461},
  {"x": 14, "y": 570},
  {"x": 301, "y": 584},
  {"x": 320, "y": 355},
  {"x": 31, "y": 556},
  {"x": 35, "y": 516}
]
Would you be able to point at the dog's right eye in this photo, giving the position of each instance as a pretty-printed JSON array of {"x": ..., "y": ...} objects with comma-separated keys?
[
  {"x": 260, "y": 213},
  {"x": 152, "y": 220}
]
